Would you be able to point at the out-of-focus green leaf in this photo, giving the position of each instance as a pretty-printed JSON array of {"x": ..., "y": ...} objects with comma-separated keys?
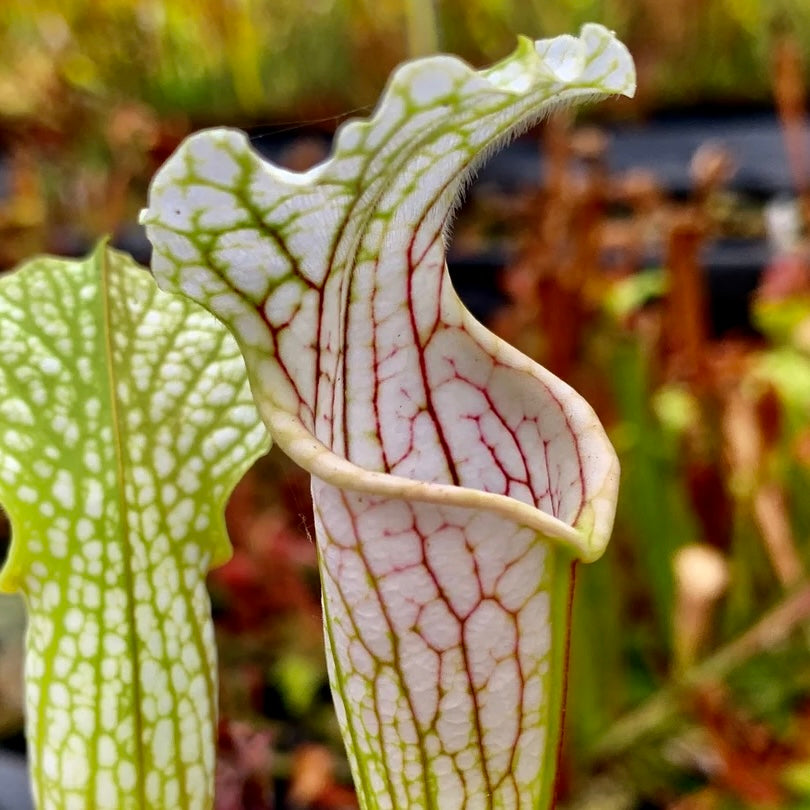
[
  {"x": 676, "y": 407},
  {"x": 633, "y": 292},
  {"x": 780, "y": 319},
  {"x": 298, "y": 679}
]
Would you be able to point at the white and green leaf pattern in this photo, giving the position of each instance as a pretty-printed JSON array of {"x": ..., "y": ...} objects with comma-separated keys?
[
  {"x": 454, "y": 480},
  {"x": 125, "y": 422}
]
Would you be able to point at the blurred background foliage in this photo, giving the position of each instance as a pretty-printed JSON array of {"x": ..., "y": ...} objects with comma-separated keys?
[
  {"x": 690, "y": 650},
  {"x": 251, "y": 59}
]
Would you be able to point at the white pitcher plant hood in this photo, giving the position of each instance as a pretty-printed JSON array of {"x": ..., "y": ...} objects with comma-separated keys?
[{"x": 454, "y": 480}]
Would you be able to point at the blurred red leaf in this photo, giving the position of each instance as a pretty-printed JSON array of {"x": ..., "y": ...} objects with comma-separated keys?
[{"x": 243, "y": 777}]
